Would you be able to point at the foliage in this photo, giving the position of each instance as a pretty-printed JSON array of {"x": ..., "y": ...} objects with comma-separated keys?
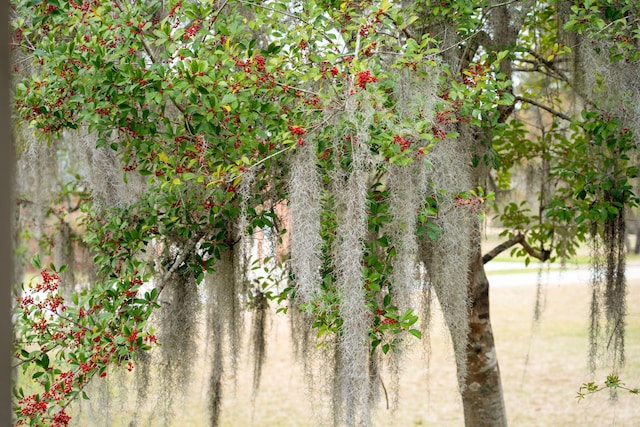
[
  {"x": 616, "y": 21},
  {"x": 611, "y": 383},
  {"x": 196, "y": 101},
  {"x": 366, "y": 117},
  {"x": 64, "y": 344},
  {"x": 601, "y": 192}
]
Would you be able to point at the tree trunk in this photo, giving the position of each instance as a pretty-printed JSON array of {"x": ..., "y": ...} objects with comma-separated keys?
[
  {"x": 636, "y": 249},
  {"x": 482, "y": 398}
]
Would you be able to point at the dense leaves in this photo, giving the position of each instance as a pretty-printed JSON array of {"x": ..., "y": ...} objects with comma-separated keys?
[
  {"x": 204, "y": 100},
  {"x": 207, "y": 103}
]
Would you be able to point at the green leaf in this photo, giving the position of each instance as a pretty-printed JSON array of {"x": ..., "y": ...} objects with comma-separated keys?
[
  {"x": 35, "y": 261},
  {"x": 416, "y": 333},
  {"x": 228, "y": 99},
  {"x": 43, "y": 362}
]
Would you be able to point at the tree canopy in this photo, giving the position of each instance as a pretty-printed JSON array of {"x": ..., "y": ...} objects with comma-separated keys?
[{"x": 365, "y": 139}]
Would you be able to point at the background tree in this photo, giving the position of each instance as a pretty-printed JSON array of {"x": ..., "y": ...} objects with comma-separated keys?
[
  {"x": 379, "y": 124},
  {"x": 532, "y": 35}
]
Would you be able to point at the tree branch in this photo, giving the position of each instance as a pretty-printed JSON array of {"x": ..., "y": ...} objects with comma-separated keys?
[
  {"x": 519, "y": 238},
  {"x": 544, "y": 107},
  {"x": 559, "y": 74},
  {"x": 542, "y": 255},
  {"x": 290, "y": 15},
  {"x": 502, "y": 247},
  {"x": 182, "y": 254}
]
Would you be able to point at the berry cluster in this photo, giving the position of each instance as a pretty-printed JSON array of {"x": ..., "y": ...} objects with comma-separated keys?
[
  {"x": 473, "y": 203},
  {"x": 365, "y": 77},
  {"x": 402, "y": 142}
]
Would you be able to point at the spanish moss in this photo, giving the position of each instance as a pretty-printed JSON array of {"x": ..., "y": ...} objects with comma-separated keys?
[
  {"x": 178, "y": 326},
  {"x": 448, "y": 258},
  {"x": 608, "y": 295},
  {"x": 305, "y": 192}
]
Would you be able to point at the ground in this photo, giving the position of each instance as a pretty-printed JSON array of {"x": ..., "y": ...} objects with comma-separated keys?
[{"x": 542, "y": 365}]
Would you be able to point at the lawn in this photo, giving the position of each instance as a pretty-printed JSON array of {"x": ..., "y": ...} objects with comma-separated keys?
[{"x": 543, "y": 364}]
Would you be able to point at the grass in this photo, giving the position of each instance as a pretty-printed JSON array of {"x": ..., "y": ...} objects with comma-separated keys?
[{"x": 542, "y": 365}]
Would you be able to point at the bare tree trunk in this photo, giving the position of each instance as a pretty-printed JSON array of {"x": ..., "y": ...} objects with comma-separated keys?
[
  {"x": 482, "y": 397},
  {"x": 636, "y": 249}
]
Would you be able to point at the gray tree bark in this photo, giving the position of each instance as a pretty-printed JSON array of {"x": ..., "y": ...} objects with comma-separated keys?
[{"x": 482, "y": 397}]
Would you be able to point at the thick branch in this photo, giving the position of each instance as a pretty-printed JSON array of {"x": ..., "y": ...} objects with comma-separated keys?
[
  {"x": 502, "y": 247},
  {"x": 544, "y": 107},
  {"x": 517, "y": 239}
]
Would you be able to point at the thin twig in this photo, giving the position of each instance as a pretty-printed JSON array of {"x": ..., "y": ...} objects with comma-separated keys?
[
  {"x": 559, "y": 74},
  {"x": 296, "y": 88},
  {"x": 256, "y": 164},
  {"x": 290, "y": 15},
  {"x": 386, "y": 396}
]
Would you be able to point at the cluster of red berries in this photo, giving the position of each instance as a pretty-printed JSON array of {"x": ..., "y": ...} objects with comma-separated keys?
[
  {"x": 326, "y": 67},
  {"x": 260, "y": 62},
  {"x": 84, "y": 7},
  {"x": 404, "y": 143},
  {"x": 365, "y": 29},
  {"x": 300, "y": 132},
  {"x": 50, "y": 8},
  {"x": 439, "y": 133},
  {"x": 134, "y": 336},
  {"x": 385, "y": 320},
  {"x": 369, "y": 50},
  {"x": 472, "y": 203},
  {"x": 475, "y": 72},
  {"x": 365, "y": 77},
  {"x": 31, "y": 407},
  {"x": 175, "y": 7},
  {"x": 130, "y": 167},
  {"x": 50, "y": 281},
  {"x": 61, "y": 419},
  {"x": 192, "y": 30},
  {"x": 297, "y": 130}
]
